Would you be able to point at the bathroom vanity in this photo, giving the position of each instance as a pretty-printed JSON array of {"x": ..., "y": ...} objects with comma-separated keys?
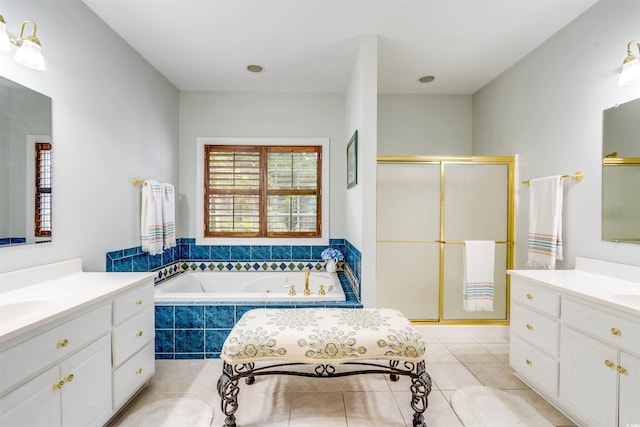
[
  {"x": 74, "y": 346},
  {"x": 575, "y": 339}
]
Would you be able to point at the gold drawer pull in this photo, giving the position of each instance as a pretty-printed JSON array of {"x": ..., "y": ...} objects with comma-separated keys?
[
  {"x": 609, "y": 364},
  {"x": 615, "y": 331},
  {"x": 528, "y": 362},
  {"x": 138, "y": 371},
  {"x": 621, "y": 370},
  {"x": 139, "y": 333},
  {"x": 63, "y": 343},
  {"x": 529, "y": 296},
  {"x": 529, "y": 326},
  {"x": 139, "y": 302},
  {"x": 69, "y": 378},
  {"x": 58, "y": 385}
]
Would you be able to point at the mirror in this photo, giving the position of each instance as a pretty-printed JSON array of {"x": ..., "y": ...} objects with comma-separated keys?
[
  {"x": 25, "y": 165},
  {"x": 621, "y": 173}
]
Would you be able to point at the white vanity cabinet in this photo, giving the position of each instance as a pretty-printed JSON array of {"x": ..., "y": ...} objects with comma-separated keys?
[
  {"x": 77, "y": 367},
  {"x": 575, "y": 339},
  {"x": 600, "y": 378}
]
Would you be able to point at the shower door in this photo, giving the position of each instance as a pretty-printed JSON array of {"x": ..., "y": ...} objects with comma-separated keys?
[{"x": 427, "y": 207}]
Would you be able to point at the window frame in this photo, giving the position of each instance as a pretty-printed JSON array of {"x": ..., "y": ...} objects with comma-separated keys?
[
  {"x": 39, "y": 230},
  {"x": 274, "y": 238}
]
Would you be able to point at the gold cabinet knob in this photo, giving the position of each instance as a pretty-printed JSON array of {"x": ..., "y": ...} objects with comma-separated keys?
[
  {"x": 621, "y": 370},
  {"x": 139, "y": 302},
  {"x": 63, "y": 343},
  {"x": 69, "y": 378},
  {"x": 615, "y": 331},
  {"x": 528, "y": 362},
  {"x": 138, "y": 371},
  {"x": 139, "y": 333},
  {"x": 529, "y": 326},
  {"x": 58, "y": 385},
  {"x": 529, "y": 296},
  {"x": 609, "y": 364}
]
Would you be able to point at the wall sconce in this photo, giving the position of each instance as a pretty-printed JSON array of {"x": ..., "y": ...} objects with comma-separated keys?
[
  {"x": 630, "y": 67},
  {"x": 29, "y": 51}
]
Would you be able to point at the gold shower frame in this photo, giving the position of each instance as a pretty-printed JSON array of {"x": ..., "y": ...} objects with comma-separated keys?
[{"x": 509, "y": 161}]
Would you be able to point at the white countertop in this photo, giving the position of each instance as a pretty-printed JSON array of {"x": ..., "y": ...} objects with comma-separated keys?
[
  {"x": 617, "y": 294},
  {"x": 28, "y": 307}
]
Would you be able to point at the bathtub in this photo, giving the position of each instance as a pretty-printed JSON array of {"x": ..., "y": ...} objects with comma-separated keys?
[{"x": 211, "y": 287}]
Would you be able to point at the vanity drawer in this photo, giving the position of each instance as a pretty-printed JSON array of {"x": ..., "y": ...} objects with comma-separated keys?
[
  {"x": 536, "y": 297},
  {"x": 132, "y": 336},
  {"x": 534, "y": 365},
  {"x": 536, "y": 329},
  {"x": 619, "y": 331},
  {"x": 27, "y": 358},
  {"x": 133, "y": 302},
  {"x": 133, "y": 374}
]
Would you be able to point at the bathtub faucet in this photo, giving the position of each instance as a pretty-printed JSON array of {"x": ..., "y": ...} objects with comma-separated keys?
[{"x": 306, "y": 281}]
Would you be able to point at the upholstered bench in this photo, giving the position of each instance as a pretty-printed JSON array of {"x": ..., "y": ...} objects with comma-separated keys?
[{"x": 334, "y": 340}]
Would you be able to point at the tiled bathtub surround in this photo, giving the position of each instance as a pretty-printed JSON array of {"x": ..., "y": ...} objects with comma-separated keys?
[
  {"x": 187, "y": 256},
  {"x": 12, "y": 240},
  {"x": 198, "y": 331}
]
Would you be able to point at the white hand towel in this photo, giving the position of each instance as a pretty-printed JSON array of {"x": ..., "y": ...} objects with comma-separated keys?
[
  {"x": 479, "y": 260},
  {"x": 151, "y": 217},
  {"x": 168, "y": 216},
  {"x": 545, "y": 222}
]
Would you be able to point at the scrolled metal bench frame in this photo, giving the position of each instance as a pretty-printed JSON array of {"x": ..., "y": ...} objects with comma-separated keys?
[{"x": 228, "y": 388}]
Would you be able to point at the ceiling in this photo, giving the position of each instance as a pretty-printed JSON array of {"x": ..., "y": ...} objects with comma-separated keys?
[{"x": 311, "y": 45}]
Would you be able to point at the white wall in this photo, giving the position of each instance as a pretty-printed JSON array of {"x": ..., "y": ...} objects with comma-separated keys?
[
  {"x": 221, "y": 114},
  {"x": 114, "y": 117},
  {"x": 435, "y": 125},
  {"x": 548, "y": 109},
  {"x": 361, "y": 115}
]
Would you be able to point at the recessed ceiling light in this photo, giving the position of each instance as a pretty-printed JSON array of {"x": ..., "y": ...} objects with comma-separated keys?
[
  {"x": 426, "y": 79},
  {"x": 255, "y": 68}
]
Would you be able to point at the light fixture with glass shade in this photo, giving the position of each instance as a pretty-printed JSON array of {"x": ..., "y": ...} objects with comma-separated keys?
[
  {"x": 29, "y": 51},
  {"x": 630, "y": 67}
]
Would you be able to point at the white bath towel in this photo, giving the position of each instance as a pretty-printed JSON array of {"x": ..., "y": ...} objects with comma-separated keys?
[
  {"x": 478, "y": 260},
  {"x": 168, "y": 216},
  {"x": 545, "y": 222},
  {"x": 151, "y": 217}
]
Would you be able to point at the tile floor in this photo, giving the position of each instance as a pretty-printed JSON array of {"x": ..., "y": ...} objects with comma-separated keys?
[{"x": 366, "y": 400}]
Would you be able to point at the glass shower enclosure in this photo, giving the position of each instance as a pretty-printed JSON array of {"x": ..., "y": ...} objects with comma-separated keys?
[{"x": 427, "y": 207}]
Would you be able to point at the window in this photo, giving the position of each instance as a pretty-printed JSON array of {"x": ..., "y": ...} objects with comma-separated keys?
[
  {"x": 43, "y": 189},
  {"x": 262, "y": 191}
]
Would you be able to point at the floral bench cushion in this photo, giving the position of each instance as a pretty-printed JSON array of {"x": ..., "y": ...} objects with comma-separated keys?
[{"x": 322, "y": 335}]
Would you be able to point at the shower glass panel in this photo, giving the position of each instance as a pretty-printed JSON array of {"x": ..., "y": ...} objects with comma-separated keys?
[
  {"x": 408, "y": 195},
  {"x": 408, "y": 235},
  {"x": 407, "y": 278},
  {"x": 453, "y": 285},
  {"x": 475, "y": 202}
]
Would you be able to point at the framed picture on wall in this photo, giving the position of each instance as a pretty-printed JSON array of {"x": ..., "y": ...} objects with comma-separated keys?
[{"x": 352, "y": 161}]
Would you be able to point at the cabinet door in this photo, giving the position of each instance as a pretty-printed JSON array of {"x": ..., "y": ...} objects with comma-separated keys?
[
  {"x": 36, "y": 403},
  {"x": 588, "y": 378},
  {"x": 86, "y": 394},
  {"x": 629, "y": 390}
]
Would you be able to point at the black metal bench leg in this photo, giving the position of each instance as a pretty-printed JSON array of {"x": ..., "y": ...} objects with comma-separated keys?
[
  {"x": 228, "y": 390},
  {"x": 420, "y": 389}
]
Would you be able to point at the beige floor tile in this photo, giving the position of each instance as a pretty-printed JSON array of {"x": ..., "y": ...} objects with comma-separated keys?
[
  {"x": 438, "y": 414},
  {"x": 312, "y": 409},
  {"x": 543, "y": 407},
  {"x": 497, "y": 375},
  {"x": 492, "y": 340},
  {"x": 439, "y": 353},
  {"x": 365, "y": 383},
  {"x": 451, "y": 376},
  {"x": 500, "y": 351},
  {"x": 366, "y": 409},
  {"x": 471, "y": 352},
  {"x": 263, "y": 409},
  {"x": 305, "y": 384},
  {"x": 458, "y": 340}
]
